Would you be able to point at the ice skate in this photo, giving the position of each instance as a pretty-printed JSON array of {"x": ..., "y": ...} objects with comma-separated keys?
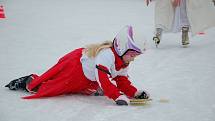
[
  {"x": 185, "y": 36},
  {"x": 19, "y": 83},
  {"x": 156, "y": 40},
  {"x": 157, "y": 37}
]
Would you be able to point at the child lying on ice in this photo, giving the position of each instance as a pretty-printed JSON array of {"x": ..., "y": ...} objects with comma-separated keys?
[{"x": 88, "y": 71}]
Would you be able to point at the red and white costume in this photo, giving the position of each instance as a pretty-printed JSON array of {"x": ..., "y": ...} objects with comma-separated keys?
[
  {"x": 77, "y": 73},
  {"x": 108, "y": 65}
]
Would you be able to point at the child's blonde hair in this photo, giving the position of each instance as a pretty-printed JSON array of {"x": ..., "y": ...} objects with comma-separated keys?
[{"x": 93, "y": 49}]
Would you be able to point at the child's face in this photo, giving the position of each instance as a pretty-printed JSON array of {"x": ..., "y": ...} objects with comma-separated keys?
[{"x": 129, "y": 56}]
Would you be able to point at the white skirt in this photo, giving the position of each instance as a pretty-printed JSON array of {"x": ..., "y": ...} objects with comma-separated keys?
[{"x": 180, "y": 17}]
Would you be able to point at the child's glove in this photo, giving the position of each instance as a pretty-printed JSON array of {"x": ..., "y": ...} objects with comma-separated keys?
[
  {"x": 142, "y": 94},
  {"x": 122, "y": 100}
]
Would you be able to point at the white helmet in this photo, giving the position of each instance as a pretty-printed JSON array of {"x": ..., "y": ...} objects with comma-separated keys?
[{"x": 124, "y": 41}]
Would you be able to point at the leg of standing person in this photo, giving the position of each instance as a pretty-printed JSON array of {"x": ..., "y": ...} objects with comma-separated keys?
[
  {"x": 184, "y": 22},
  {"x": 185, "y": 36},
  {"x": 158, "y": 35}
]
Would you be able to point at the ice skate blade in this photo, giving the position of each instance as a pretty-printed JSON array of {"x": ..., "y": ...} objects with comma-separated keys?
[
  {"x": 157, "y": 41},
  {"x": 185, "y": 46},
  {"x": 156, "y": 45}
]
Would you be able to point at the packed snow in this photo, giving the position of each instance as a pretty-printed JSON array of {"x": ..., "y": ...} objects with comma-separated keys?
[{"x": 36, "y": 33}]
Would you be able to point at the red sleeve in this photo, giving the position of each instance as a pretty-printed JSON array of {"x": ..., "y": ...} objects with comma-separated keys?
[
  {"x": 124, "y": 85},
  {"x": 110, "y": 90}
]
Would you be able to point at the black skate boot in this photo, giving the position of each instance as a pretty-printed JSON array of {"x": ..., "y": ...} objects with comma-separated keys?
[
  {"x": 185, "y": 36},
  {"x": 19, "y": 83},
  {"x": 157, "y": 37}
]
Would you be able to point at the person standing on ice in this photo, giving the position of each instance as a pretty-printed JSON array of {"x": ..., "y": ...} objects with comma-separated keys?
[
  {"x": 90, "y": 71},
  {"x": 182, "y": 16}
]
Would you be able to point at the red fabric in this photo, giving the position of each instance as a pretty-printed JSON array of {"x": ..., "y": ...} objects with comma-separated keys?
[
  {"x": 63, "y": 78},
  {"x": 124, "y": 85},
  {"x": 91, "y": 88},
  {"x": 109, "y": 89},
  {"x": 2, "y": 15},
  {"x": 201, "y": 33},
  {"x": 119, "y": 63},
  {"x": 34, "y": 76}
]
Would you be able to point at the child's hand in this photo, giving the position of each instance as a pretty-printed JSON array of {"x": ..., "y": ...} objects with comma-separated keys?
[
  {"x": 148, "y": 1},
  {"x": 142, "y": 94},
  {"x": 122, "y": 100}
]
